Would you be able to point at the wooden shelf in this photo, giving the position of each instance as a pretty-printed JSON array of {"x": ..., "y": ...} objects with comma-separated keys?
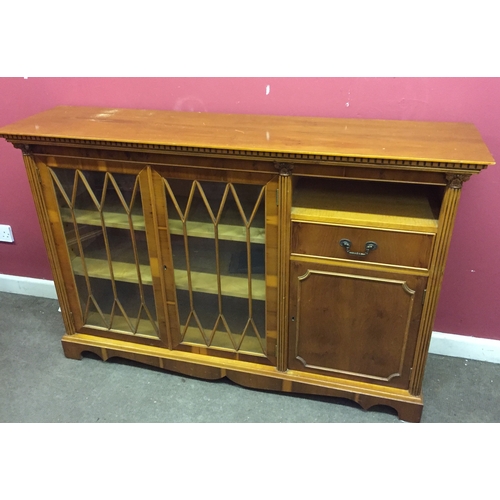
[
  {"x": 122, "y": 271},
  {"x": 194, "y": 228},
  {"x": 201, "y": 282},
  {"x": 232, "y": 286},
  {"x": 145, "y": 328},
  {"x": 225, "y": 231},
  {"x": 357, "y": 203},
  {"x": 111, "y": 219},
  {"x": 250, "y": 344}
]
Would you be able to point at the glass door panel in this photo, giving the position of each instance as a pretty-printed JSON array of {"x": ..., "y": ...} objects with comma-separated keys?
[
  {"x": 217, "y": 237},
  {"x": 105, "y": 234}
]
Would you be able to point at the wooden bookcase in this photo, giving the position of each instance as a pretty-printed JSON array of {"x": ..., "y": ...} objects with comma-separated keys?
[{"x": 291, "y": 254}]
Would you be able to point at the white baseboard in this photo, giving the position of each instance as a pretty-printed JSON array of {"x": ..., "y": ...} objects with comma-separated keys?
[
  {"x": 27, "y": 286},
  {"x": 446, "y": 344},
  {"x": 460, "y": 346}
]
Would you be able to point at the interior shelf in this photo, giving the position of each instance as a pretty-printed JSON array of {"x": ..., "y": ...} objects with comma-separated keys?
[
  {"x": 122, "y": 271},
  {"x": 221, "y": 340},
  {"x": 112, "y": 219},
  {"x": 232, "y": 286},
  {"x": 359, "y": 203},
  {"x": 144, "y": 329},
  {"x": 194, "y": 228},
  {"x": 225, "y": 231}
]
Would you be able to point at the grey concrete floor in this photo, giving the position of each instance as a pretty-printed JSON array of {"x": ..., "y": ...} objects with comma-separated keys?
[{"x": 39, "y": 384}]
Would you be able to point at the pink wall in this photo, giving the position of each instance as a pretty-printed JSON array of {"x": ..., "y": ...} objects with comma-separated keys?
[{"x": 469, "y": 303}]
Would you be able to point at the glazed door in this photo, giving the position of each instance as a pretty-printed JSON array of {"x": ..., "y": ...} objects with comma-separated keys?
[
  {"x": 101, "y": 219},
  {"x": 354, "y": 323},
  {"x": 219, "y": 245}
]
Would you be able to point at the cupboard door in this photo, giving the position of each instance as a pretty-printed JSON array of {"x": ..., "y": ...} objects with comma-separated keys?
[
  {"x": 222, "y": 244},
  {"x": 105, "y": 253},
  {"x": 353, "y": 323}
]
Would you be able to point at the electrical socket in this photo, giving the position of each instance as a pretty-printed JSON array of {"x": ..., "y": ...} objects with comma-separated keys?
[{"x": 6, "y": 233}]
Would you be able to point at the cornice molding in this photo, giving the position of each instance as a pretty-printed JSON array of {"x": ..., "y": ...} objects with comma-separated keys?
[{"x": 23, "y": 142}]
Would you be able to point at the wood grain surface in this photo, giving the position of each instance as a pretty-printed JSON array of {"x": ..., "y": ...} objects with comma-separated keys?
[{"x": 388, "y": 139}]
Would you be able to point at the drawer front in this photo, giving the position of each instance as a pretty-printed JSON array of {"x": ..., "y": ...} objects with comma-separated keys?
[{"x": 393, "y": 247}]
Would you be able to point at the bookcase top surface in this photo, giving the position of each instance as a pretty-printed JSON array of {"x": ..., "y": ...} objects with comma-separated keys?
[{"x": 346, "y": 137}]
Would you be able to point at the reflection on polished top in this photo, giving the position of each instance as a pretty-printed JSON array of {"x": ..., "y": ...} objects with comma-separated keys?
[{"x": 377, "y": 139}]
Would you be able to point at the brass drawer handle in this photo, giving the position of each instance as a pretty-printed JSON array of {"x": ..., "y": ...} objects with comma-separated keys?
[{"x": 369, "y": 245}]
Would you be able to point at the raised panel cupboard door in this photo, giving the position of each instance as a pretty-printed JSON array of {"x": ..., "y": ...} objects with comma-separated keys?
[
  {"x": 107, "y": 257},
  {"x": 357, "y": 324}
]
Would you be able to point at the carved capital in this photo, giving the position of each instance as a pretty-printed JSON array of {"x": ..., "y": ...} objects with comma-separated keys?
[
  {"x": 25, "y": 148},
  {"x": 455, "y": 181},
  {"x": 285, "y": 169}
]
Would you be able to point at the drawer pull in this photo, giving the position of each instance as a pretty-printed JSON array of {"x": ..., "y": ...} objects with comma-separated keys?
[{"x": 369, "y": 245}]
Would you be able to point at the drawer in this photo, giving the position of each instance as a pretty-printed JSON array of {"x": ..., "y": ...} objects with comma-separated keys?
[{"x": 397, "y": 248}]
